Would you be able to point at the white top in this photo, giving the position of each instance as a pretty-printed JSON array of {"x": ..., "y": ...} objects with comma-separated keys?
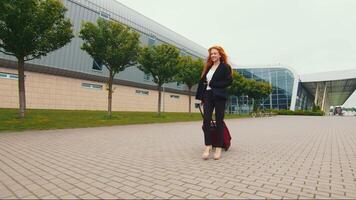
[{"x": 209, "y": 76}]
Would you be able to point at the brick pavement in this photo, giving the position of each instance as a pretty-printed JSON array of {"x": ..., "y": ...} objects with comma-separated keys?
[{"x": 279, "y": 157}]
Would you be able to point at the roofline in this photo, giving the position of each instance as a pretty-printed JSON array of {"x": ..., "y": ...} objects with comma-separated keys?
[
  {"x": 295, "y": 74},
  {"x": 195, "y": 48},
  {"x": 329, "y": 76}
]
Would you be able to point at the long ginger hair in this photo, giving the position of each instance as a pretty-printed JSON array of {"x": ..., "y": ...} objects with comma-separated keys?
[{"x": 209, "y": 63}]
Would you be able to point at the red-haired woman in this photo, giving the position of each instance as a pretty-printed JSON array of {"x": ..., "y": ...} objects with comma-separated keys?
[{"x": 215, "y": 78}]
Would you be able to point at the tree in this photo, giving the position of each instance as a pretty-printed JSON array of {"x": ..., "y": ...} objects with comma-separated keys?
[
  {"x": 238, "y": 86},
  {"x": 29, "y": 30},
  {"x": 113, "y": 44},
  {"x": 189, "y": 72},
  {"x": 257, "y": 90},
  {"x": 161, "y": 63}
]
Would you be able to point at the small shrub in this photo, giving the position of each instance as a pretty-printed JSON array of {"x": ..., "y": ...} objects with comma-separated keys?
[{"x": 298, "y": 112}]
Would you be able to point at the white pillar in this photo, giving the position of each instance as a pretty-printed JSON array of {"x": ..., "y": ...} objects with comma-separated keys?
[
  {"x": 270, "y": 95},
  {"x": 316, "y": 95},
  {"x": 294, "y": 92},
  {"x": 324, "y": 96}
]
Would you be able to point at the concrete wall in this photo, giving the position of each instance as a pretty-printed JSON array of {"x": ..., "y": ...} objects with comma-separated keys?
[{"x": 57, "y": 92}]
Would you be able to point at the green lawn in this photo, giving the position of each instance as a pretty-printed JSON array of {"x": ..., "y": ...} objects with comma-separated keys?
[{"x": 38, "y": 119}]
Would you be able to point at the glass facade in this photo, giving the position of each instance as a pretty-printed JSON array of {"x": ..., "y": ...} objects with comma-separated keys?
[
  {"x": 304, "y": 99},
  {"x": 282, "y": 80}
]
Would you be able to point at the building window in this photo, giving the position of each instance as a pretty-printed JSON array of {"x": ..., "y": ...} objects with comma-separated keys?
[
  {"x": 197, "y": 105},
  {"x": 151, "y": 40},
  {"x": 175, "y": 96},
  {"x": 147, "y": 77},
  {"x": 97, "y": 65},
  {"x": 179, "y": 85},
  {"x": 92, "y": 86},
  {"x": 9, "y": 76},
  {"x": 183, "y": 52},
  {"x": 104, "y": 15},
  {"x": 142, "y": 92}
]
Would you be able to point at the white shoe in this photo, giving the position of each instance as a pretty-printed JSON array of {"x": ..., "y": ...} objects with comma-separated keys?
[
  {"x": 217, "y": 154},
  {"x": 206, "y": 152}
]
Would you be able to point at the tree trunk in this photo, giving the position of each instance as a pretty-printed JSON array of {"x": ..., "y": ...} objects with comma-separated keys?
[
  {"x": 22, "y": 94},
  {"x": 238, "y": 105},
  {"x": 228, "y": 105},
  {"x": 111, "y": 77},
  {"x": 255, "y": 105},
  {"x": 190, "y": 101},
  {"x": 258, "y": 104},
  {"x": 159, "y": 100}
]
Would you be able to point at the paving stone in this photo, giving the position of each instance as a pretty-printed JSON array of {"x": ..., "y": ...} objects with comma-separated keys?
[
  {"x": 144, "y": 195},
  {"x": 179, "y": 194},
  {"x": 285, "y": 157},
  {"x": 198, "y": 193},
  {"x": 161, "y": 194}
]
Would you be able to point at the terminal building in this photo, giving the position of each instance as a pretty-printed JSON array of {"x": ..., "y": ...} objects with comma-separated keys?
[
  {"x": 69, "y": 78},
  {"x": 297, "y": 92}
]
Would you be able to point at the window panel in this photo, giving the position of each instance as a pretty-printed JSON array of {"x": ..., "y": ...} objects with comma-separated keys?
[
  {"x": 92, "y": 86},
  {"x": 97, "y": 65},
  {"x": 104, "y": 15},
  {"x": 9, "y": 76},
  {"x": 142, "y": 92},
  {"x": 174, "y": 96}
]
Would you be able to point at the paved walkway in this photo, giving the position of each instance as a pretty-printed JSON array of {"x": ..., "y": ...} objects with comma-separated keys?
[{"x": 277, "y": 157}]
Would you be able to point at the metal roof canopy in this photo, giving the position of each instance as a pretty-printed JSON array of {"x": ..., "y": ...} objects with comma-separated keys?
[{"x": 340, "y": 84}]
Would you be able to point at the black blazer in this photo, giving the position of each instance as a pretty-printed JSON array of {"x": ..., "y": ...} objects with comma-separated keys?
[{"x": 219, "y": 82}]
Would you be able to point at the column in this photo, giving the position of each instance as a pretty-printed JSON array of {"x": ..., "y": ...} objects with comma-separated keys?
[
  {"x": 324, "y": 96},
  {"x": 316, "y": 95}
]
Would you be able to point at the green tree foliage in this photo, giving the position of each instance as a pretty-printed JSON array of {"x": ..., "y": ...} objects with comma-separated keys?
[
  {"x": 161, "y": 62},
  {"x": 30, "y": 29},
  {"x": 189, "y": 71},
  {"x": 113, "y": 44},
  {"x": 257, "y": 90},
  {"x": 239, "y": 84}
]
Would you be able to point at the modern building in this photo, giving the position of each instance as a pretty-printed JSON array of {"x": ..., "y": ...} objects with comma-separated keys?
[
  {"x": 328, "y": 88},
  {"x": 282, "y": 78},
  {"x": 297, "y": 92},
  {"x": 69, "y": 78}
]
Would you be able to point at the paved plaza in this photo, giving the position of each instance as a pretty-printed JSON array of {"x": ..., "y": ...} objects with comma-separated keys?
[{"x": 285, "y": 157}]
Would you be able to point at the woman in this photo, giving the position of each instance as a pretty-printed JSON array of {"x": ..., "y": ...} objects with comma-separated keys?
[{"x": 215, "y": 78}]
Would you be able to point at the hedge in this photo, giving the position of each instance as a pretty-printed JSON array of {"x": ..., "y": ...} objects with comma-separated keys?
[{"x": 298, "y": 112}]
